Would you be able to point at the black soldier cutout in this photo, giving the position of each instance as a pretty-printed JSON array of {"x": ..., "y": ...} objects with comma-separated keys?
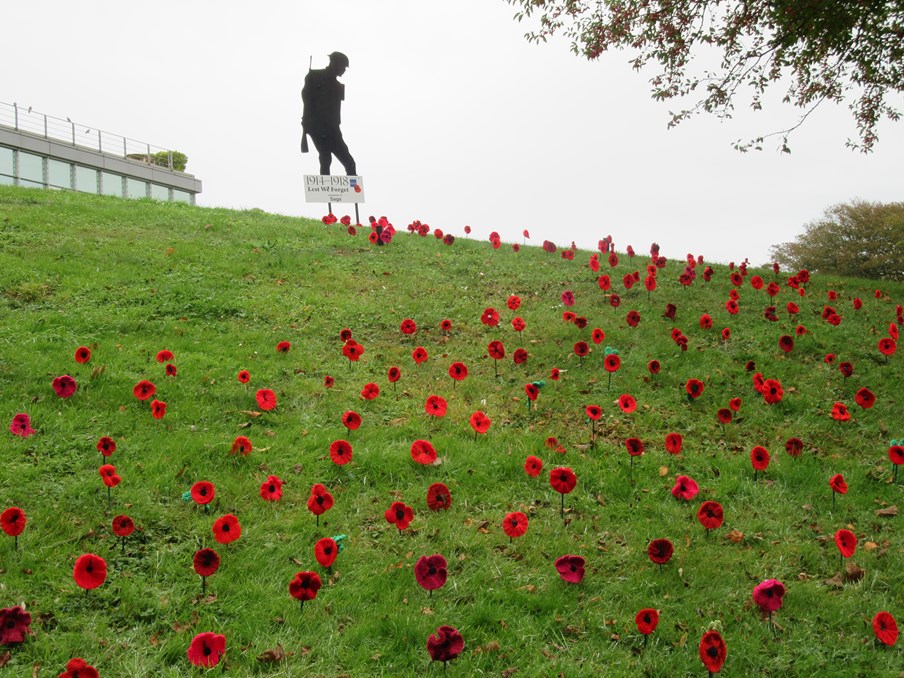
[{"x": 322, "y": 96}]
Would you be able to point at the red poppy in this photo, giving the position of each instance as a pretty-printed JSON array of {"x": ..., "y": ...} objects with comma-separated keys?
[
  {"x": 158, "y": 409},
  {"x": 594, "y": 412},
  {"x": 514, "y": 301},
  {"x": 370, "y": 391},
  {"x": 21, "y": 425},
  {"x": 846, "y": 368},
  {"x": 170, "y": 370},
  {"x": 206, "y": 562},
  {"x": 713, "y": 650},
  {"x": 519, "y": 356},
  {"x": 650, "y": 283},
  {"x": 244, "y": 376},
  {"x": 408, "y": 326},
  {"x": 351, "y": 420},
  {"x": 345, "y": 335},
  {"x": 226, "y": 529},
  {"x": 533, "y": 466},
  {"x": 768, "y": 595},
  {"x": 840, "y": 412},
  {"x": 430, "y": 572},
  {"x": 726, "y": 334},
  {"x": 724, "y": 415},
  {"x": 647, "y": 620},
  {"x": 627, "y": 403},
  {"x": 581, "y": 350},
  {"x": 164, "y": 355},
  {"x": 786, "y": 343},
  {"x": 490, "y": 317},
  {"x": 82, "y": 354},
  {"x": 531, "y": 391},
  {"x": 633, "y": 318},
  {"x": 634, "y": 446},
  {"x": 570, "y": 568},
  {"x": 654, "y": 366},
  {"x": 438, "y": 497},
  {"x": 352, "y": 350},
  {"x": 865, "y": 398},
  {"x": 64, "y": 386},
  {"x": 419, "y": 355},
  {"x": 732, "y": 307},
  {"x": 759, "y": 458},
  {"x": 518, "y": 324},
  {"x": 320, "y": 500},
  {"x": 611, "y": 362},
  {"x": 305, "y": 586},
  {"x": 562, "y": 480},
  {"x": 496, "y": 350},
  {"x": 846, "y": 543},
  {"x": 340, "y": 452},
  {"x": 436, "y": 406},
  {"x": 241, "y": 444},
  {"x": 123, "y": 526},
  {"x": 399, "y": 514},
  {"x": 15, "y": 625},
  {"x": 568, "y": 316},
  {"x": 706, "y": 321},
  {"x": 266, "y": 399},
  {"x": 90, "y": 571},
  {"x": 79, "y": 668},
  {"x": 393, "y": 374},
  {"x": 896, "y": 454},
  {"x": 445, "y": 325},
  {"x": 554, "y": 374},
  {"x": 568, "y": 298},
  {"x": 480, "y": 422},
  {"x": 203, "y": 492},
  {"x": 271, "y": 489},
  {"x": 886, "y": 628},
  {"x": 283, "y": 347},
  {"x": 685, "y": 488},
  {"x": 423, "y": 452},
  {"x": 694, "y": 388},
  {"x": 458, "y": 371},
  {"x": 446, "y": 644},
  {"x": 660, "y": 551},
  {"x": 325, "y": 551},
  {"x": 12, "y": 521},
  {"x": 109, "y": 476},
  {"x": 711, "y": 515},
  {"x": 838, "y": 484},
  {"x": 772, "y": 391},
  {"x": 515, "y": 524},
  {"x": 144, "y": 389}
]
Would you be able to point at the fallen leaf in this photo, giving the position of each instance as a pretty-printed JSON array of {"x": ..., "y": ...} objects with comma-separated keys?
[
  {"x": 251, "y": 413},
  {"x": 853, "y": 573},
  {"x": 835, "y": 582},
  {"x": 735, "y": 536},
  {"x": 870, "y": 546},
  {"x": 889, "y": 512},
  {"x": 510, "y": 671},
  {"x": 274, "y": 656},
  {"x": 4, "y": 658}
]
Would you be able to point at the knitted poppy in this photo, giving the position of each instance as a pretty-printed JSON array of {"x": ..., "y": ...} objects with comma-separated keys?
[
  {"x": 694, "y": 388},
  {"x": 123, "y": 526},
  {"x": 786, "y": 343},
  {"x": 533, "y": 466},
  {"x": 158, "y": 409},
  {"x": 423, "y": 452},
  {"x": 554, "y": 374},
  {"x": 266, "y": 399},
  {"x": 64, "y": 386},
  {"x": 673, "y": 443},
  {"x": 593, "y": 412},
  {"x": 241, "y": 444},
  {"x": 597, "y": 336},
  {"x": 627, "y": 403},
  {"x": 438, "y": 497},
  {"x": 496, "y": 350},
  {"x": 79, "y": 668},
  {"x": 710, "y": 515},
  {"x": 12, "y": 521},
  {"x": 226, "y": 529},
  {"x": 106, "y": 445},
  {"x": 886, "y": 628},
  {"x": 840, "y": 412},
  {"x": 206, "y": 562},
  {"x": 436, "y": 406},
  {"x": 490, "y": 317},
  {"x": 887, "y": 346},
  {"x": 480, "y": 422},
  {"x": 513, "y": 302},
  {"x": 759, "y": 458},
  {"x": 660, "y": 551},
  {"x": 90, "y": 571},
  {"x": 519, "y": 357},
  {"x": 734, "y": 404},
  {"x": 370, "y": 391},
  {"x": 21, "y": 425},
  {"x": 562, "y": 479},
  {"x": 647, "y": 620},
  {"x": 458, "y": 371},
  {"x": 15, "y": 625},
  {"x": 325, "y": 551},
  {"x": 206, "y": 649},
  {"x": 82, "y": 354},
  {"x": 865, "y": 398},
  {"x": 144, "y": 390},
  {"x": 846, "y": 368},
  {"x": 108, "y": 475},
  {"x": 634, "y": 446},
  {"x": 518, "y": 324},
  {"x": 203, "y": 492},
  {"x": 838, "y": 484},
  {"x": 896, "y": 454},
  {"x": 352, "y": 350},
  {"x": 351, "y": 420},
  {"x": 724, "y": 415},
  {"x": 170, "y": 370},
  {"x": 532, "y": 391},
  {"x": 164, "y": 355},
  {"x": 685, "y": 488},
  {"x": 340, "y": 452},
  {"x": 712, "y": 651},
  {"x": 408, "y": 326},
  {"x": 244, "y": 376},
  {"x": 794, "y": 446},
  {"x": 581, "y": 349},
  {"x": 846, "y": 542},
  {"x": 611, "y": 363},
  {"x": 445, "y": 325},
  {"x": 446, "y": 644},
  {"x": 320, "y": 500},
  {"x": 393, "y": 374},
  {"x": 768, "y": 595},
  {"x": 399, "y": 515},
  {"x": 772, "y": 391},
  {"x": 570, "y": 568},
  {"x": 515, "y": 524},
  {"x": 430, "y": 572},
  {"x": 271, "y": 489},
  {"x": 345, "y": 334}
]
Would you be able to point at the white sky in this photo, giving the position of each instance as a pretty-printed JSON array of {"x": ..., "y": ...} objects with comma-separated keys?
[{"x": 452, "y": 116}]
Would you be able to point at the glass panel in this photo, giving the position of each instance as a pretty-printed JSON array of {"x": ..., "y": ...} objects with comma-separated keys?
[
  {"x": 111, "y": 184},
  {"x": 59, "y": 174},
  {"x": 181, "y": 196},
  {"x": 31, "y": 169},
  {"x": 85, "y": 179},
  {"x": 159, "y": 192},
  {"x": 6, "y": 165},
  {"x": 135, "y": 188}
]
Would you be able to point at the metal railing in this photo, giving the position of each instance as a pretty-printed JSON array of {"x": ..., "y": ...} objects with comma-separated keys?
[{"x": 77, "y": 134}]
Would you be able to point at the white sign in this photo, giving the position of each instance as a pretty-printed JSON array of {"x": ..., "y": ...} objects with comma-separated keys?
[{"x": 329, "y": 188}]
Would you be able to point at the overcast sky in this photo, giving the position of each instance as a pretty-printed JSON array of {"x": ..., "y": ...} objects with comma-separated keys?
[{"x": 452, "y": 116}]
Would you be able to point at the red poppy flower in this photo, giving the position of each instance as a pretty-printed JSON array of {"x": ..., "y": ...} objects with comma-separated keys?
[
  {"x": 244, "y": 376},
  {"x": 772, "y": 391},
  {"x": 726, "y": 334},
  {"x": 614, "y": 300},
  {"x": 551, "y": 442},
  {"x": 562, "y": 479},
  {"x": 170, "y": 370},
  {"x": 320, "y": 500},
  {"x": 515, "y": 524},
  {"x": 786, "y": 343},
  {"x": 759, "y": 458},
  {"x": 846, "y": 368},
  {"x": 393, "y": 374},
  {"x": 352, "y": 350},
  {"x": 706, "y": 321},
  {"x": 206, "y": 562},
  {"x": 532, "y": 391},
  {"x": 106, "y": 445},
  {"x": 533, "y": 466},
  {"x": 713, "y": 651},
  {"x": 732, "y": 307},
  {"x": 838, "y": 484},
  {"x": 305, "y": 586},
  {"x": 370, "y": 391},
  {"x": 82, "y": 354},
  {"x": 568, "y": 316},
  {"x": 650, "y": 283},
  {"x": 518, "y": 324},
  {"x": 627, "y": 403},
  {"x": 79, "y": 668},
  {"x": 660, "y": 551},
  {"x": 458, "y": 371},
  {"x": 226, "y": 529},
  {"x": 345, "y": 335},
  {"x": 90, "y": 571},
  {"x": 438, "y": 497},
  {"x": 123, "y": 526},
  {"x": 241, "y": 444},
  {"x": 570, "y": 568},
  {"x": 203, "y": 492},
  {"x": 865, "y": 398},
  {"x": 724, "y": 415},
  {"x": 325, "y": 551},
  {"x": 840, "y": 412},
  {"x": 419, "y": 355},
  {"x": 64, "y": 386},
  {"x": 768, "y": 595},
  {"x": 694, "y": 388},
  {"x": 164, "y": 355},
  {"x": 514, "y": 301},
  {"x": 519, "y": 356},
  {"x": 490, "y": 317},
  {"x": 633, "y": 318},
  {"x": 673, "y": 443},
  {"x": 711, "y": 515},
  {"x": 266, "y": 399},
  {"x": 445, "y": 325},
  {"x": 568, "y": 298},
  {"x": 555, "y": 374},
  {"x": 685, "y": 488},
  {"x": 351, "y": 420},
  {"x": 158, "y": 409},
  {"x": 446, "y": 644},
  {"x": 480, "y": 422},
  {"x": 108, "y": 475},
  {"x": 594, "y": 412},
  {"x": 15, "y": 625},
  {"x": 423, "y": 452},
  {"x": 896, "y": 454},
  {"x": 654, "y": 366},
  {"x": 611, "y": 362},
  {"x": 283, "y": 347},
  {"x": 647, "y": 620},
  {"x": 634, "y": 446},
  {"x": 436, "y": 406},
  {"x": 12, "y": 521},
  {"x": 846, "y": 543},
  {"x": 21, "y": 425},
  {"x": 399, "y": 514},
  {"x": 886, "y": 628},
  {"x": 408, "y": 326},
  {"x": 581, "y": 349},
  {"x": 430, "y": 572},
  {"x": 271, "y": 489},
  {"x": 340, "y": 452}
]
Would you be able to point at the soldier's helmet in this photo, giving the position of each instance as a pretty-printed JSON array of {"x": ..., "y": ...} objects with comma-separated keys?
[{"x": 339, "y": 59}]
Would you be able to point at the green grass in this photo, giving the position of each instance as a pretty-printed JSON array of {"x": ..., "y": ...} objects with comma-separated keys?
[{"x": 220, "y": 288}]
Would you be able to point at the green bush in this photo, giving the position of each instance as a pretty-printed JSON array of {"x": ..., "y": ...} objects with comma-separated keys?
[{"x": 180, "y": 160}]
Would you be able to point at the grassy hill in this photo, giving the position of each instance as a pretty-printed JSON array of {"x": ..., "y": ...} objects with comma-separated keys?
[{"x": 220, "y": 289}]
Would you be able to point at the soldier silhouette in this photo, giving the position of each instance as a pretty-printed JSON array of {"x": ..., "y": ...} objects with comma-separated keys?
[{"x": 322, "y": 96}]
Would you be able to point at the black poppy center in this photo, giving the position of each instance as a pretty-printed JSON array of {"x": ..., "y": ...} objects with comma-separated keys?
[
  {"x": 440, "y": 499},
  {"x": 207, "y": 650},
  {"x": 713, "y": 651},
  {"x": 320, "y": 500},
  {"x": 399, "y": 514},
  {"x": 225, "y": 528},
  {"x": 272, "y": 488},
  {"x": 203, "y": 492},
  {"x": 432, "y": 570}
]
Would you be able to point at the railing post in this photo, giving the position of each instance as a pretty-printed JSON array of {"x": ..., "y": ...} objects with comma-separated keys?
[
  {"x": 45, "y": 126},
  {"x": 100, "y": 144},
  {"x": 73, "y": 132},
  {"x": 125, "y": 150},
  {"x": 16, "y": 114},
  {"x": 169, "y": 156}
]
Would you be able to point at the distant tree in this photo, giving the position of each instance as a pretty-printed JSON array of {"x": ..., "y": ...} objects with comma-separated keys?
[
  {"x": 836, "y": 50},
  {"x": 864, "y": 239}
]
